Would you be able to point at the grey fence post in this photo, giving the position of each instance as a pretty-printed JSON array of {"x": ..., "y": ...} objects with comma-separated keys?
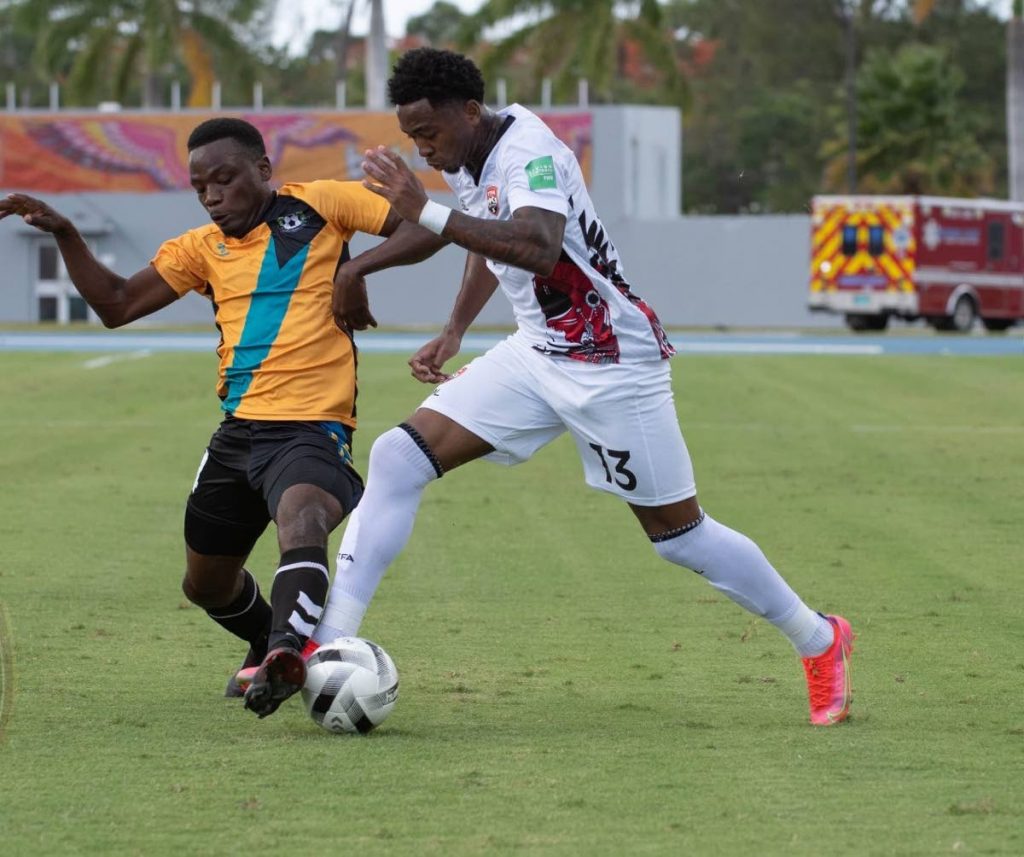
[
  {"x": 55, "y": 96},
  {"x": 12, "y": 96},
  {"x": 215, "y": 95},
  {"x": 257, "y": 96},
  {"x": 340, "y": 94},
  {"x": 583, "y": 92},
  {"x": 502, "y": 93},
  {"x": 175, "y": 95},
  {"x": 545, "y": 92}
]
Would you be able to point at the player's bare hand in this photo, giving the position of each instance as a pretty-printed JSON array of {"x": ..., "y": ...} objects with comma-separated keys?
[
  {"x": 35, "y": 212},
  {"x": 427, "y": 364},
  {"x": 350, "y": 304},
  {"x": 390, "y": 177}
]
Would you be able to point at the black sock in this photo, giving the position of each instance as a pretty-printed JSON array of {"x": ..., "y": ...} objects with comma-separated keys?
[
  {"x": 248, "y": 616},
  {"x": 298, "y": 596}
]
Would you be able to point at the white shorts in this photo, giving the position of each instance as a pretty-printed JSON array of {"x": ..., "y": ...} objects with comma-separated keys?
[{"x": 622, "y": 417}]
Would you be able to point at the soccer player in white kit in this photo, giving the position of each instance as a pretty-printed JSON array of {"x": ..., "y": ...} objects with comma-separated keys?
[{"x": 588, "y": 357}]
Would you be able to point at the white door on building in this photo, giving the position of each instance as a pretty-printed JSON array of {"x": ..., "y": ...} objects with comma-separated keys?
[{"x": 56, "y": 297}]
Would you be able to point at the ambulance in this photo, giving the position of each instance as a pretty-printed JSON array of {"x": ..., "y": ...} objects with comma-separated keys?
[{"x": 952, "y": 262}]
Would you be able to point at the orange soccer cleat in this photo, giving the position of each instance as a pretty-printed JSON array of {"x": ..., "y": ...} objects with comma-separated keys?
[{"x": 828, "y": 677}]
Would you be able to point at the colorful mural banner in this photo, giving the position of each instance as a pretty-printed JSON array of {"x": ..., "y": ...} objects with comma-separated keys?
[{"x": 147, "y": 152}]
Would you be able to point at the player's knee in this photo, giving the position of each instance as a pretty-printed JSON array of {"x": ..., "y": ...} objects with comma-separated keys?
[
  {"x": 685, "y": 546},
  {"x": 399, "y": 461},
  {"x": 310, "y": 525},
  {"x": 385, "y": 454},
  {"x": 208, "y": 594},
  {"x": 676, "y": 554},
  {"x": 193, "y": 593}
]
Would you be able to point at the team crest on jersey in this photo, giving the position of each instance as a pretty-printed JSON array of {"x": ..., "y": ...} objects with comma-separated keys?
[
  {"x": 222, "y": 249},
  {"x": 291, "y": 222},
  {"x": 492, "y": 199}
]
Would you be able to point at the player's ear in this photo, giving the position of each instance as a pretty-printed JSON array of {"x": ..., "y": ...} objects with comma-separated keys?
[
  {"x": 264, "y": 168},
  {"x": 473, "y": 111}
]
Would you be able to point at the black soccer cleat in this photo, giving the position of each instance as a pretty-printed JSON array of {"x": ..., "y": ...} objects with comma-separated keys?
[{"x": 282, "y": 674}]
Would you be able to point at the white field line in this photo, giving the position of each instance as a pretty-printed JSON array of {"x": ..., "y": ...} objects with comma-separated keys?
[
  {"x": 797, "y": 428},
  {"x": 107, "y": 359},
  {"x": 775, "y": 348},
  {"x": 936, "y": 429},
  {"x": 6, "y": 673}
]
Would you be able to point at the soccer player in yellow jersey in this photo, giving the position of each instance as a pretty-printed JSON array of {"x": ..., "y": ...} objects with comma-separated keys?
[{"x": 287, "y": 381}]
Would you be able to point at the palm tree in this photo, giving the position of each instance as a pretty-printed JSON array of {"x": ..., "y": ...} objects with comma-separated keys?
[
  {"x": 342, "y": 39},
  {"x": 99, "y": 47},
  {"x": 848, "y": 12},
  {"x": 573, "y": 39},
  {"x": 913, "y": 137},
  {"x": 376, "y": 59}
]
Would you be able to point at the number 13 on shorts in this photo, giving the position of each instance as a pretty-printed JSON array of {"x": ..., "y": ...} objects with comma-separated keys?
[
  {"x": 655, "y": 471},
  {"x": 622, "y": 475}
]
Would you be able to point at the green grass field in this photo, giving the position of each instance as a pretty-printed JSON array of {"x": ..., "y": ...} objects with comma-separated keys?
[{"x": 564, "y": 691}]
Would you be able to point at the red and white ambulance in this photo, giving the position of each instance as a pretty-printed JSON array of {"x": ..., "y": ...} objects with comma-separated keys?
[{"x": 949, "y": 261}]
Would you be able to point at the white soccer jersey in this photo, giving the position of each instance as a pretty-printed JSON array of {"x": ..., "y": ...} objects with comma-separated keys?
[{"x": 585, "y": 309}]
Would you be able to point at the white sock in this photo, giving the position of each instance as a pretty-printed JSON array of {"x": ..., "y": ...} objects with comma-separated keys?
[
  {"x": 736, "y": 567},
  {"x": 400, "y": 469}
]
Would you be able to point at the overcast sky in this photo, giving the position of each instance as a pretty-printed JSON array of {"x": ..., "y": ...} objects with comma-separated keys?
[{"x": 296, "y": 21}]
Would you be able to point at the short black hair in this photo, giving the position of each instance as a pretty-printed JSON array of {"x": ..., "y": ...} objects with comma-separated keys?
[
  {"x": 244, "y": 133},
  {"x": 439, "y": 76}
]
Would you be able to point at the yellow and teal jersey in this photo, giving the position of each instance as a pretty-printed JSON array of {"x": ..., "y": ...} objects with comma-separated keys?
[{"x": 281, "y": 355}]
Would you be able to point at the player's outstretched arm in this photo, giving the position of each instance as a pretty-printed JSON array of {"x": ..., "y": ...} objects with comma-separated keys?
[
  {"x": 406, "y": 244},
  {"x": 531, "y": 240},
  {"x": 115, "y": 299},
  {"x": 478, "y": 284}
]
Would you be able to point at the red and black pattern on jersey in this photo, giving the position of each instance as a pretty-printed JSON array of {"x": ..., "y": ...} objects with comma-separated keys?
[
  {"x": 574, "y": 307},
  {"x": 659, "y": 332},
  {"x": 603, "y": 260}
]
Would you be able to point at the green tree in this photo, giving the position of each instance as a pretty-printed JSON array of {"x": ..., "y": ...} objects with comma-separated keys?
[
  {"x": 439, "y": 26},
  {"x": 913, "y": 136},
  {"x": 975, "y": 41},
  {"x": 98, "y": 49},
  {"x": 17, "y": 44},
  {"x": 762, "y": 76},
  {"x": 774, "y": 86},
  {"x": 566, "y": 40},
  {"x": 309, "y": 79}
]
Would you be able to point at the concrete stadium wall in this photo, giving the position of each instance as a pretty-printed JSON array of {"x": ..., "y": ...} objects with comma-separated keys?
[
  {"x": 701, "y": 271},
  {"x": 728, "y": 271}
]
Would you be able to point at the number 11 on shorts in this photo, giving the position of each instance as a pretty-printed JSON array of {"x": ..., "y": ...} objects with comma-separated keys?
[{"x": 621, "y": 457}]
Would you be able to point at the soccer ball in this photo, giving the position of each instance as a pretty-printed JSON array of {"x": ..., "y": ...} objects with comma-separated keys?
[{"x": 351, "y": 685}]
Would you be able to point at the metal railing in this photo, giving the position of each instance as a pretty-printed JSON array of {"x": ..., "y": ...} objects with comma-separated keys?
[{"x": 257, "y": 103}]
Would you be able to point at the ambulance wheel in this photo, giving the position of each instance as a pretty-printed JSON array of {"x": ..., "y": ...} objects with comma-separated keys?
[
  {"x": 860, "y": 323},
  {"x": 965, "y": 313},
  {"x": 998, "y": 325}
]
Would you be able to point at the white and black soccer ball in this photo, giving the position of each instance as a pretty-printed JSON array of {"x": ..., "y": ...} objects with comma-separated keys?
[{"x": 351, "y": 685}]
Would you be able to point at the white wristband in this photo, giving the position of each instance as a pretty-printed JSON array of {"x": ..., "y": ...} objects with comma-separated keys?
[{"x": 434, "y": 216}]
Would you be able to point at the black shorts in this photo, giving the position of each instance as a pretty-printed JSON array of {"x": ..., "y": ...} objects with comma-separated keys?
[{"x": 249, "y": 464}]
